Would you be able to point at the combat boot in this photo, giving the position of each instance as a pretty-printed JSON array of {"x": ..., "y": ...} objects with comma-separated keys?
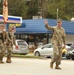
[
  {"x": 51, "y": 65},
  {"x": 57, "y": 67},
  {"x": 1, "y": 60},
  {"x": 8, "y": 60}
]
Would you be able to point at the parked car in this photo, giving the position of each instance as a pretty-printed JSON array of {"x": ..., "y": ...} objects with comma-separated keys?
[
  {"x": 21, "y": 47},
  {"x": 72, "y": 46},
  {"x": 69, "y": 44},
  {"x": 46, "y": 50},
  {"x": 70, "y": 55}
]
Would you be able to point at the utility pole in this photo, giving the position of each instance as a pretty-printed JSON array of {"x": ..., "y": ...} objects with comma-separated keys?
[
  {"x": 57, "y": 13},
  {"x": 0, "y": 0}
]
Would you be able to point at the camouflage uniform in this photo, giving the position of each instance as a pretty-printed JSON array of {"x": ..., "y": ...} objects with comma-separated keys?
[
  {"x": 2, "y": 49},
  {"x": 57, "y": 40},
  {"x": 10, "y": 42}
]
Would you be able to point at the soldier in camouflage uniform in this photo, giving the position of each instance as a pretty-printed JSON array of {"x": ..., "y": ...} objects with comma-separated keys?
[
  {"x": 58, "y": 40},
  {"x": 10, "y": 42},
  {"x": 3, "y": 39}
]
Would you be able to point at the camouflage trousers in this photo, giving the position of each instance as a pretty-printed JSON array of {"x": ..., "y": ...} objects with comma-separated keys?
[
  {"x": 57, "y": 53},
  {"x": 2, "y": 51},
  {"x": 9, "y": 50}
]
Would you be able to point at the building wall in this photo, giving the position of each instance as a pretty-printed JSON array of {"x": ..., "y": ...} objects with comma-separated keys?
[{"x": 69, "y": 39}]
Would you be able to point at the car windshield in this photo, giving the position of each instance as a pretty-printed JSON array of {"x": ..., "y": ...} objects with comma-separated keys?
[
  {"x": 47, "y": 46},
  {"x": 21, "y": 43}
]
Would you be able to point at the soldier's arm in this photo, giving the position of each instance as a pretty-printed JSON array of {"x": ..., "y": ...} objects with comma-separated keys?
[
  {"x": 47, "y": 26},
  {"x": 8, "y": 38},
  {"x": 14, "y": 39},
  {"x": 64, "y": 37}
]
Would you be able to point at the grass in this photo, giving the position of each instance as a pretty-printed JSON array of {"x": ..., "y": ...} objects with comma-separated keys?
[{"x": 24, "y": 56}]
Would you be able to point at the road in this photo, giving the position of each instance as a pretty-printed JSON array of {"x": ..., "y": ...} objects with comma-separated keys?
[{"x": 29, "y": 66}]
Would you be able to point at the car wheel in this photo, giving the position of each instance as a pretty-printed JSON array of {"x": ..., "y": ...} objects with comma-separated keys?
[
  {"x": 37, "y": 53},
  {"x": 72, "y": 57},
  {"x": 67, "y": 57}
]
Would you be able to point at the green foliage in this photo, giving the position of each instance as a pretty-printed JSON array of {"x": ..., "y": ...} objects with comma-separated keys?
[
  {"x": 48, "y": 8},
  {"x": 65, "y": 7}
]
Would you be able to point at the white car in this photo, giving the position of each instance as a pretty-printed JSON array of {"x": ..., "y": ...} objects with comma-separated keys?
[
  {"x": 46, "y": 50},
  {"x": 21, "y": 47}
]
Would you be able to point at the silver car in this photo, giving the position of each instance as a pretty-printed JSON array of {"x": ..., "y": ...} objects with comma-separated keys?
[
  {"x": 46, "y": 50},
  {"x": 21, "y": 47}
]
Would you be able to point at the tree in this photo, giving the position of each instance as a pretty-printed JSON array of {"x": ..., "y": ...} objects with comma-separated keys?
[
  {"x": 18, "y": 8},
  {"x": 1, "y": 7},
  {"x": 44, "y": 8},
  {"x": 65, "y": 7}
]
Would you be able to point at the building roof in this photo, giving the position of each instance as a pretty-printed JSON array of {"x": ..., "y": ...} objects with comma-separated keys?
[{"x": 37, "y": 26}]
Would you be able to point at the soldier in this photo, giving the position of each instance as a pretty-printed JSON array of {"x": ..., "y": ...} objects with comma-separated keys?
[
  {"x": 2, "y": 49},
  {"x": 10, "y": 42},
  {"x": 4, "y": 37},
  {"x": 58, "y": 39}
]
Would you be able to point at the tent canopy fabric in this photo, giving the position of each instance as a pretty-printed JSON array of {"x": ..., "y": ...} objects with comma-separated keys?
[{"x": 38, "y": 26}]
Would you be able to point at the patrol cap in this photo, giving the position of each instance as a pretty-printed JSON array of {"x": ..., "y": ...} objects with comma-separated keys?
[{"x": 59, "y": 20}]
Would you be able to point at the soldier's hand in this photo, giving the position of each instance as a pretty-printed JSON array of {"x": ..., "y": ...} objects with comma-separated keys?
[
  {"x": 46, "y": 22},
  {"x": 64, "y": 46}
]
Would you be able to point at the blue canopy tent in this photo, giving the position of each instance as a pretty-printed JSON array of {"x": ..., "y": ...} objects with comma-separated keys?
[
  {"x": 33, "y": 26},
  {"x": 37, "y": 26}
]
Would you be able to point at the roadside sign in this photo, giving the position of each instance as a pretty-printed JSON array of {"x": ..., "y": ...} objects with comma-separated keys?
[{"x": 11, "y": 19}]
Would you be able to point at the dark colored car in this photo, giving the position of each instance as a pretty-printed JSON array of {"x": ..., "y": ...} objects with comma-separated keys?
[
  {"x": 72, "y": 46},
  {"x": 70, "y": 55}
]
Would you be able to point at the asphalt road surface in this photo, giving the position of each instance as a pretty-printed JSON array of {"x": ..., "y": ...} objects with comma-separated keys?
[{"x": 22, "y": 66}]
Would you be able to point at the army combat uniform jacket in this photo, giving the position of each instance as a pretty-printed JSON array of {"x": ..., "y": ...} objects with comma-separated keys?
[
  {"x": 58, "y": 34},
  {"x": 11, "y": 37}
]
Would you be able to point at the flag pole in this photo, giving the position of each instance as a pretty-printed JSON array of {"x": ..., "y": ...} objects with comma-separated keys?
[{"x": 5, "y": 11}]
